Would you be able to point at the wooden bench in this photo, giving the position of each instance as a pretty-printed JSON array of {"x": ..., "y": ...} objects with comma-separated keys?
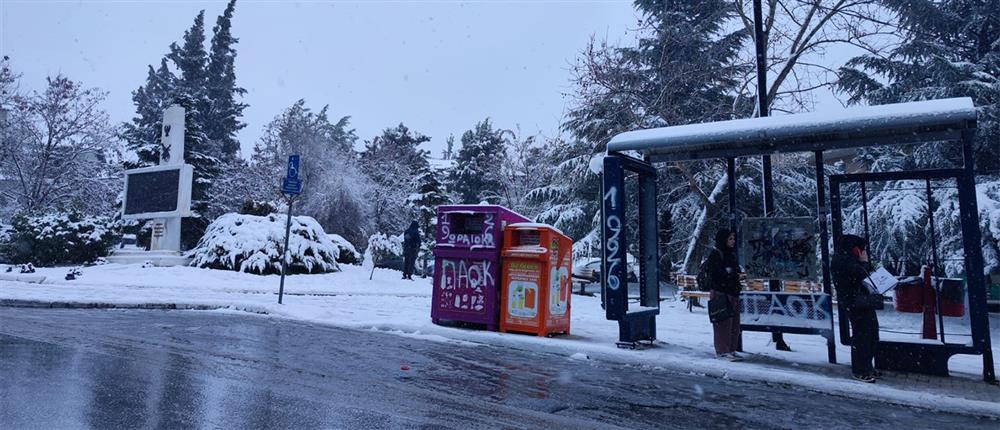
[{"x": 693, "y": 295}]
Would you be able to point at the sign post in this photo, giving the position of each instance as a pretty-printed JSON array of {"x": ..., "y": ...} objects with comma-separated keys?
[{"x": 290, "y": 187}]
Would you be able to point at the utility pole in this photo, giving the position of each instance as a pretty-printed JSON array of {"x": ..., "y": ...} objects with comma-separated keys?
[{"x": 763, "y": 107}]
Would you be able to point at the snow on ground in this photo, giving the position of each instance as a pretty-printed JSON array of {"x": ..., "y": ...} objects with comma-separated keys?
[{"x": 392, "y": 305}]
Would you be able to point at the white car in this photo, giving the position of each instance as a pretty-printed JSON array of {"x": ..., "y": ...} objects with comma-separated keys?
[{"x": 589, "y": 270}]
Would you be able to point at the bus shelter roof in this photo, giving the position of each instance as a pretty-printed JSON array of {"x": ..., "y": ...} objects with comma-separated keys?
[{"x": 900, "y": 123}]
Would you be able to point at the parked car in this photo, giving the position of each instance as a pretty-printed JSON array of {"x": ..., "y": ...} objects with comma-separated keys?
[
  {"x": 589, "y": 270},
  {"x": 396, "y": 263}
]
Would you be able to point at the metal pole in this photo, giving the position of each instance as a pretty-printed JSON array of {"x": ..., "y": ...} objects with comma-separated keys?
[
  {"x": 971, "y": 243},
  {"x": 864, "y": 212},
  {"x": 824, "y": 245},
  {"x": 731, "y": 176},
  {"x": 765, "y": 160},
  {"x": 934, "y": 258},
  {"x": 284, "y": 252}
]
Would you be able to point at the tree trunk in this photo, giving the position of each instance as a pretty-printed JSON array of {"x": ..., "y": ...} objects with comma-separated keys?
[{"x": 702, "y": 233}]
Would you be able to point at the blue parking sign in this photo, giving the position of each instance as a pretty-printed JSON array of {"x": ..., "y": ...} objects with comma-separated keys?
[{"x": 291, "y": 186}]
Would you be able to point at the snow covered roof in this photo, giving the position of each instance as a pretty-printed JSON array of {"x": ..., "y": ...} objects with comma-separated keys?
[{"x": 855, "y": 127}]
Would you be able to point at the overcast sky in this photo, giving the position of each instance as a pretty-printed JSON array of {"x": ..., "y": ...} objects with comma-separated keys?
[{"x": 437, "y": 66}]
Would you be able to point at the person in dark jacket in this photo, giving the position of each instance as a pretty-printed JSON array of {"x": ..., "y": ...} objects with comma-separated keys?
[
  {"x": 411, "y": 245},
  {"x": 724, "y": 279},
  {"x": 850, "y": 268}
]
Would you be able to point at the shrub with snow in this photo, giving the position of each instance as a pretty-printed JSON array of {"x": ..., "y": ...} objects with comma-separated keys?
[
  {"x": 61, "y": 238},
  {"x": 252, "y": 244},
  {"x": 382, "y": 247}
]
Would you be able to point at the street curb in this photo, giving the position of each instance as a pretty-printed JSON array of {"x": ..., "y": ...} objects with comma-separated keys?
[{"x": 15, "y": 303}]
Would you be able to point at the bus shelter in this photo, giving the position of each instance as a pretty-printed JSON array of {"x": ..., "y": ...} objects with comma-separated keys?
[{"x": 633, "y": 154}]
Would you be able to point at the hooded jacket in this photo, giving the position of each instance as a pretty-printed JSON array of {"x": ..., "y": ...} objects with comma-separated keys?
[
  {"x": 723, "y": 266},
  {"x": 411, "y": 239},
  {"x": 848, "y": 273}
]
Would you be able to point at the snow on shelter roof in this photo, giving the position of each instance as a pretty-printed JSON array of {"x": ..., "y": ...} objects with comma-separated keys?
[{"x": 850, "y": 128}]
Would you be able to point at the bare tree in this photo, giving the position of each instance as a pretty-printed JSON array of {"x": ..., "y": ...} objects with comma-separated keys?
[
  {"x": 800, "y": 34},
  {"x": 62, "y": 152}
]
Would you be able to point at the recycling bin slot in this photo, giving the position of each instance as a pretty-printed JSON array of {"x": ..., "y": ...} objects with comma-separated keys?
[
  {"x": 526, "y": 238},
  {"x": 535, "y": 280}
]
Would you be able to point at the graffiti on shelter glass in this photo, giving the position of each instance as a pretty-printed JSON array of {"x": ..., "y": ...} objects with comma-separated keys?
[{"x": 779, "y": 248}]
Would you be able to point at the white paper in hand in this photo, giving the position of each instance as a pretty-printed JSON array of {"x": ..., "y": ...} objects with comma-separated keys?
[{"x": 882, "y": 279}]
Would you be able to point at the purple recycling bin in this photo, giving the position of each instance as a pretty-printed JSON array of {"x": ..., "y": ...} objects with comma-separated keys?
[{"x": 467, "y": 263}]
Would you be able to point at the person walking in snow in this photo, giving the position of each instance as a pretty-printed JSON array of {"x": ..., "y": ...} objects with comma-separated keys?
[
  {"x": 850, "y": 268},
  {"x": 724, "y": 279},
  {"x": 411, "y": 246}
]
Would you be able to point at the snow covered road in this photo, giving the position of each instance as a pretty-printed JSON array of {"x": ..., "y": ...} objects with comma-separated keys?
[
  {"x": 390, "y": 305},
  {"x": 140, "y": 368}
]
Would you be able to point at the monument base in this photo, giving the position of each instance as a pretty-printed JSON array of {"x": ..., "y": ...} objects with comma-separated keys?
[{"x": 139, "y": 256}]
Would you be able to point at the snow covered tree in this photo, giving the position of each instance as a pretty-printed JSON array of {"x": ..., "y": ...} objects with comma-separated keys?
[
  {"x": 205, "y": 85},
  {"x": 683, "y": 69},
  {"x": 522, "y": 168},
  {"x": 199, "y": 152},
  {"x": 949, "y": 49},
  {"x": 477, "y": 163},
  {"x": 570, "y": 200},
  {"x": 693, "y": 62},
  {"x": 191, "y": 60},
  {"x": 334, "y": 189},
  {"x": 394, "y": 162},
  {"x": 223, "y": 118},
  {"x": 142, "y": 135},
  {"x": 430, "y": 194},
  {"x": 60, "y": 152}
]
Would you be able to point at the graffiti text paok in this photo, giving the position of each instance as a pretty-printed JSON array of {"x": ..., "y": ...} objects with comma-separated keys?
[{"x": 464, "y": 284}]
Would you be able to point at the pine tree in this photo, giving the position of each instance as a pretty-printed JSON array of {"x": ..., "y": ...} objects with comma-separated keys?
[
  {"x": 430, "y": 194},
  {"x": 199, "y": 153},
  {"x": 396, "y": 145},
  {"x": 476, "y": 165},
  {"x": 950, "y": 49},
  {"x": 223, "y": 119},
  {"x": 142, "y": 135},
  {"x": 394, "y": 162},
  {"x": 192, "y": 62}
]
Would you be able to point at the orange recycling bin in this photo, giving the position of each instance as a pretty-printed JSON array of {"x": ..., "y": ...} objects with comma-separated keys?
[{"x": 535, "y": 280}]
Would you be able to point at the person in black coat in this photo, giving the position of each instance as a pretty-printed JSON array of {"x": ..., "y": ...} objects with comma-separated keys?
[
  {"x": 411, "y": 246},
  {"x": 850, "y": 268},
  {"x": 724, "y": 280}
]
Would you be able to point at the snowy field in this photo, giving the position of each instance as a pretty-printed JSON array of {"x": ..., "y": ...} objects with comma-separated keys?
[{"x": 389, "y": 304}]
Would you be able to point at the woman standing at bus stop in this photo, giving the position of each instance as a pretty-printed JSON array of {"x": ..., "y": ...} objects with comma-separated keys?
[{"x": 724, "y": 277}]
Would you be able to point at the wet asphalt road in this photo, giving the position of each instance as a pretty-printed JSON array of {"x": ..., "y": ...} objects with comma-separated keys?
[{"x": 190, "y": 369}]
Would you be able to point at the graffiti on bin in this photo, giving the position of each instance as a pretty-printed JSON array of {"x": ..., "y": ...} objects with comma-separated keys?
[
  {"x": 464, "y": 284},
  {"x": 484, "y": 239}
]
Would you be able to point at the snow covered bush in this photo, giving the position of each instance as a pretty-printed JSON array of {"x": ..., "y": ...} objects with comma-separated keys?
[
  {"x": 252, "y": 244},
  {"x": 61, "y": 238},
  {"x": 382, "y": 247}
]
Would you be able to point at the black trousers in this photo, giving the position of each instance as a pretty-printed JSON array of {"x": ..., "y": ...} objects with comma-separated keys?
[
  {"x": 864, "y": 340},
  {"x": 409, "y": 264}
]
